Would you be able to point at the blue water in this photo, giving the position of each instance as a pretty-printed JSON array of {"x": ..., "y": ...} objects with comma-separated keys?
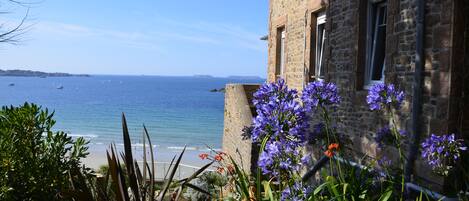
[{"x": 177, "y": 111}]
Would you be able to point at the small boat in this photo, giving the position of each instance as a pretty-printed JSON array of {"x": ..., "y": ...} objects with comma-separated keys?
[
  {"x": 11, "y": 84},
  {"x": 60, "y": 87}
]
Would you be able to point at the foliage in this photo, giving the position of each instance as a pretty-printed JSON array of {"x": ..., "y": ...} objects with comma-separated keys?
[
  {"x": 281, "y": 128},
  {"x": 210, "y": 181},
  {"x": 127, "y": 180},
  {"x": 36, "y": 162}
]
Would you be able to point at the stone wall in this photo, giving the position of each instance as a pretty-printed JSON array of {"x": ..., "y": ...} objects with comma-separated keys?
[
  {"x": 344, "y": 62},
  {"x": 238, "y": 114},
  {"x": 465, "y": 75}
]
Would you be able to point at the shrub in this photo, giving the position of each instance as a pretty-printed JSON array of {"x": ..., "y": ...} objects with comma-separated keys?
[{"x": 36, "y": 163}]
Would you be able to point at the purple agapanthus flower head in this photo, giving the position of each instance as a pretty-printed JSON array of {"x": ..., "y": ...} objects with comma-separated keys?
[
  {"x": 279, "y": 114},
  {"x": 282, "y": 123},
  {"x": 385, "y": 136},
  {"x": 384, "y": 162},
  {"x": 442, "y": 152},
  {"x": 320, "y": 93},
  {"x": 297, "y": 192},
  {"x": 383, "y": 96}
]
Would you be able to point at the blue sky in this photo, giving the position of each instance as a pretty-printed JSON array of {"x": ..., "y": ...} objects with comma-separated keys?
[{"x": 159, "y": 37}]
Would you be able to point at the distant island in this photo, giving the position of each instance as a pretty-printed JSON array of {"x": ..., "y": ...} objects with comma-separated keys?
[
  {"x": 244, "y": 77},
  {"x": 237, "y": 77},
  {"x": 30, "y": 73}
]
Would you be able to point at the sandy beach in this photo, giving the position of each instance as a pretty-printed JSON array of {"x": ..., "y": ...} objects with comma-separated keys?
[{"x": 189, "y": 163}]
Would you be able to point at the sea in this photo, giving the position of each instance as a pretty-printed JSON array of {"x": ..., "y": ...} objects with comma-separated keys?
[{"x": 177, "y": 111}]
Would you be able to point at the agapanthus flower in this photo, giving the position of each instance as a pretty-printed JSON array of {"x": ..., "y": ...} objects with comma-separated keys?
[
  {"x": 306, "y": 160},
  {"x": 382, "y": 96},
  {"x": 385, "y": 136},
  {"x": 279, "y": 114},
  {"x": 442, "y": 152},
  {"x": 320, "y": 93},
  {"x": 298, "y": 192},
  {"x": 384, "y": 162},
  {"x": 282, "y": 122}
]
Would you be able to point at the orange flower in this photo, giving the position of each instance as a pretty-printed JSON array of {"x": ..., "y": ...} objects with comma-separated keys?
[
  {"x": 231, "y": 169},
  {"x": 329, "y": 153},
  {"x": 333, "y": 146},
  {"x": 330, "y": 149},
  {"x": 218, "y": 157},
  {"x": 203, "y": 156},
  {"x": 220, "y": 170}
]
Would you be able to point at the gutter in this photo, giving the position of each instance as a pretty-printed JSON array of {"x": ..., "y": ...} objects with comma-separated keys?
[{"x": 417, "y": 91}]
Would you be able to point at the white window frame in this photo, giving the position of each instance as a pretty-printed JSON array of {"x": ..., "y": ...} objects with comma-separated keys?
[
  {"x": 320, "y": 44},
  {"x": 374, "y": 7},
  {"x": 282, "y": 53}
]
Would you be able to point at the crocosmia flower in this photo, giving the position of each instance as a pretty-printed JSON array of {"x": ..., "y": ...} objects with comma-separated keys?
[
  {"x": 383, "y": 96},
  {"x": 331, "y": 150},
  {"x": 203, "y": 156},
  {"x": 218, "y": 157},
  {"x": 320, "y": 93},
  {"x": 442, "y": 152}
]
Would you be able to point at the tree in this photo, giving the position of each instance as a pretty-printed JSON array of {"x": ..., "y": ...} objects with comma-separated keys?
[
  {"x": 12, "y": 35},
  {"x": 35, "y": 162}
]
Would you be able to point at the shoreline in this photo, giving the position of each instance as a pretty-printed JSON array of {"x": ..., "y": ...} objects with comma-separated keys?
[{"x": 97, "y": 156}]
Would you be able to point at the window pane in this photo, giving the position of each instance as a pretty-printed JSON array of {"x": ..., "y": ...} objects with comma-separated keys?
[
  {"x": 320, "y": 43},
  {"x": 320, "y": 49},
  {"x": 378, "y": 46}
]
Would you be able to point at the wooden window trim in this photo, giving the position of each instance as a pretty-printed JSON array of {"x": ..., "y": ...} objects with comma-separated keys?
[
  {"x": 277, "y": 24},
  {"x": 314, "y": 8}
]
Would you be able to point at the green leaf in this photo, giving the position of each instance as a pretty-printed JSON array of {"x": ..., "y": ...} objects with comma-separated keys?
[{"x": 386, "y": 195}]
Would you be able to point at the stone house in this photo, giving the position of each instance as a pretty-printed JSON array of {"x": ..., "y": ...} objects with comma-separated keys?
[{"x": 422, "y": 46}]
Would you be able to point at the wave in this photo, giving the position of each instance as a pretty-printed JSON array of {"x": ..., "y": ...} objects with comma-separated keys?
[
  {"x": 181, "y": 148},
  {"x": 83, "y": 135},
  {"x": 138, "y": 145}
]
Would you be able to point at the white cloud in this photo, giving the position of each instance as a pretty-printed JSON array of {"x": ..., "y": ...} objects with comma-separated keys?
[{"x": 225, "y": 35}]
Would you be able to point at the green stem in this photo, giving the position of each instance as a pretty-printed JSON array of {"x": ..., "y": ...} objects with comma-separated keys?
[
  {"x": 397, "y": 137},
  {"x": 328, "y": 133},
  {"x": 258, "y": 182}
]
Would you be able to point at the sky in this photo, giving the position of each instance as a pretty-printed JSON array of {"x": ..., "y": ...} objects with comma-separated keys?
[{"x": 143, "y": 37}]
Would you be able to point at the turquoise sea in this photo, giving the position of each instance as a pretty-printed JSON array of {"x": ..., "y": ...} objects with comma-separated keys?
[{"x": 177, "y": 111}]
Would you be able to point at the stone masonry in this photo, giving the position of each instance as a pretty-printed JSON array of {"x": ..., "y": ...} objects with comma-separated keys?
[{"x": 238, "y": 114}]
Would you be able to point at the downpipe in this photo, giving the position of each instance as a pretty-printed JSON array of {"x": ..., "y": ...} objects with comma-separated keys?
[{"x": 417, "y": 92}]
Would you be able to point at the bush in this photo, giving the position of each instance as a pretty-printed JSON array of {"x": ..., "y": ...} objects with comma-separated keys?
[{"x": 36, "y": 163}]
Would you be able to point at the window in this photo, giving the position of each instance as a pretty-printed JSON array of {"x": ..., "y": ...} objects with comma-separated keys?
[
  {"x": 317, "y": 44},
  {"x": 376, "y": 46},
  {"x": 280, "y": 53},
  {"x": 320, "y": 39}
]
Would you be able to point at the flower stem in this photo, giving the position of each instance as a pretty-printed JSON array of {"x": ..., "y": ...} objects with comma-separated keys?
[{"x": 397, "y": 137}]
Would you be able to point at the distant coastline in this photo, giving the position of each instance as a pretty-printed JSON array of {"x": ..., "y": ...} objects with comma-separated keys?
[
  {"x": 30, "y": 73},
  {"x": 245, "y": 77}
]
